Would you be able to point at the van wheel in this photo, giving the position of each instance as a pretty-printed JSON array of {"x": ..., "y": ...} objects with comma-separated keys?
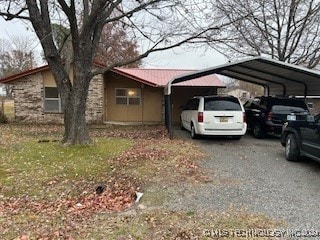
[
  {"x": 292, "y": 151},
  {"x": 258, "y": 131},
  {"x": 193, "y": 133}
]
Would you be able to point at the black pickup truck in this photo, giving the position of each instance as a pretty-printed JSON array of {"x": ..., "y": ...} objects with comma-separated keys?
[{"x": 301, "y": 137}]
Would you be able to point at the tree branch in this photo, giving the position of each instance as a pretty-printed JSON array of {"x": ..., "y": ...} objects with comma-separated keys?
[{"x": 153, "y": 49}]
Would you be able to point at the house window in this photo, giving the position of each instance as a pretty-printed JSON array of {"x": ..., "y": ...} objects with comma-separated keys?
[
  {"x": 52, "y": 101},
  {"x": 128, "y": 96}
]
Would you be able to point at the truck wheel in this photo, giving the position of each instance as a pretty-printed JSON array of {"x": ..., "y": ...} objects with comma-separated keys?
[
  {"x": 258, "y": 131},
  {"x": 292, "y": 151}
]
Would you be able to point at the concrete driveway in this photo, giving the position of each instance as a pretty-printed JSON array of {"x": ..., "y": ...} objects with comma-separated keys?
[{"x": 253, "y": 174}]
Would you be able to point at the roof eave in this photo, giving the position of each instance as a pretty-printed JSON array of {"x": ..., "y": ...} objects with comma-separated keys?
[
  {"x": 35, "y": 70},
  {"x": 23, "y": 74}
]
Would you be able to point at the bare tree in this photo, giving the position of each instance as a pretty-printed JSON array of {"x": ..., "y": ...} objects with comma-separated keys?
[
  {"x": 155, "y": 25},
  {"x": 15, "y": 56},
  {"x": 287, "y": 30},
  {"x": 4, "y": 45}
]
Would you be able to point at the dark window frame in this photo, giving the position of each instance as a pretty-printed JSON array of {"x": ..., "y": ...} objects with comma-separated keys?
[
  {"x": 51, "y": 99},
  {"x": 126, "y": 98}
]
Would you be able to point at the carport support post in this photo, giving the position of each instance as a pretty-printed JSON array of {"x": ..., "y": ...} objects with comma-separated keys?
[{"x": 167, "y": 110}]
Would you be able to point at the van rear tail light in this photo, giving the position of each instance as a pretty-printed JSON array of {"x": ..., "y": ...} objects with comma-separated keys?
[
  {"x": 200, "y": 116},
  {"x": 244, "y": 118},
  {"x": 269, "y": 117}
]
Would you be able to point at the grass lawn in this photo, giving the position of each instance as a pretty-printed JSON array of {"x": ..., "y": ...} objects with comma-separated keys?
[{"x": 48, "y": 191}]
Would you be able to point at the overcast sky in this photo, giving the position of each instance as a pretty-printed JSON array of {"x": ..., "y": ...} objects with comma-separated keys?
[{"x": 174, "y": 58}]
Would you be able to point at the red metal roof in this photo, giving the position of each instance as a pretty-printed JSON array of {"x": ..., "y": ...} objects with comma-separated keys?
[
  {"x": 152, "y": 77},
  {"x": 160, "y": 77}
]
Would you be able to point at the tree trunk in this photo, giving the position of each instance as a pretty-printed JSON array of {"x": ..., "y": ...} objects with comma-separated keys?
[
  {"x": 76, "y": 130},
  {"x": 8, "y": 89}
]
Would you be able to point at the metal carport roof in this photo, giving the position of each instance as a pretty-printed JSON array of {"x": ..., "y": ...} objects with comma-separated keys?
[{"x": 277, "y": 77}]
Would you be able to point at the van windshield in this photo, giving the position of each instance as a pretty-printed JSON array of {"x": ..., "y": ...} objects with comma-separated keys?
[{"x": 221, "y": 104}]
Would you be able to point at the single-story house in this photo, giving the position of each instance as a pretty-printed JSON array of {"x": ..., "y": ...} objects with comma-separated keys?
[
  {"x": 313, "y": 103},
  {"x": 120, "y": 95},
  {"x": 242, "y": 94}
]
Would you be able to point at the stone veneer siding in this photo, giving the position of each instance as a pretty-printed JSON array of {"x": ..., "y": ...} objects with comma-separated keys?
[
  {"x": 95, "y": 101},
  {"x": 28, "y": 95}
]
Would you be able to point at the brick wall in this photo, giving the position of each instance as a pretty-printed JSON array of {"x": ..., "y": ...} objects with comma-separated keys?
[
  {"x": 28, "y": 99},
  {"x": 94, "y": 113},
  {"x": 28, "y": 95}
]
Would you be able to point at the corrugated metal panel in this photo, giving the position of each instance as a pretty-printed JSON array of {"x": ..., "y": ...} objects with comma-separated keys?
[
  {"x": 278, "y": 77},
  {"x": 160, "y": 77}
]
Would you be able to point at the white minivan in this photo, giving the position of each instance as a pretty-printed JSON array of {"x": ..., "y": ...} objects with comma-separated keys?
[{"x": 214, "y": 115}]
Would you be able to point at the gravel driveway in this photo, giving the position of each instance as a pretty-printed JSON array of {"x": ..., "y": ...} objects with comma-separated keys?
[{"x": 253, "y": 174}]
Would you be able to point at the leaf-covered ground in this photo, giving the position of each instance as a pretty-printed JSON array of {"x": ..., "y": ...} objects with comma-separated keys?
[{"x": 49, "y": 191}]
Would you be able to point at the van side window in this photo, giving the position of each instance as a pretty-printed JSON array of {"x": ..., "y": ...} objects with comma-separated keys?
[{"x": 194, "y": 104}]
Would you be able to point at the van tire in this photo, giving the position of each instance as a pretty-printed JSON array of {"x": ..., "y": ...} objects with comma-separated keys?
[{"x": 193, "y": 133}]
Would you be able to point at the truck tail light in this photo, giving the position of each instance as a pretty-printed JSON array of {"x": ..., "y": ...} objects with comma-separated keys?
[
  {"x": 269, "y": 116},
  {"x": 200, "y": 116}
]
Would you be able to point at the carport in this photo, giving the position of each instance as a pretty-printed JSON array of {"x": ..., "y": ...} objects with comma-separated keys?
[{"x": 277, "y": 78}]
